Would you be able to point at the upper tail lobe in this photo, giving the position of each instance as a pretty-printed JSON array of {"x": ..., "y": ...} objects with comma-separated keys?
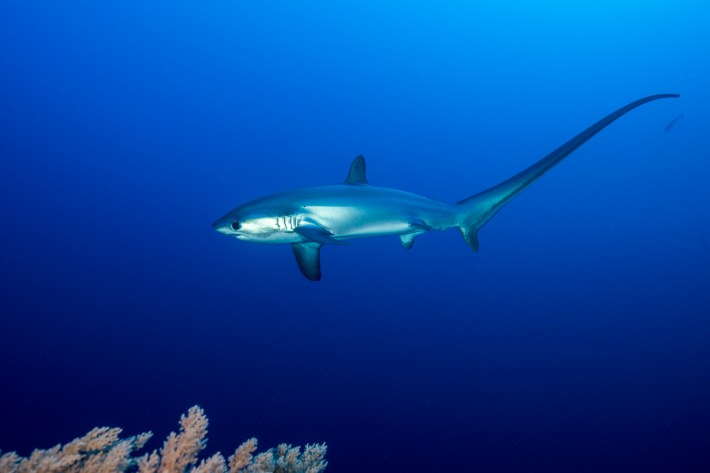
[{"x": 476, "y": 210}]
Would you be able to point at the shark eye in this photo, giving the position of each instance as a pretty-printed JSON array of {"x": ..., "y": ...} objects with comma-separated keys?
[{"x": 235, "y": 225}]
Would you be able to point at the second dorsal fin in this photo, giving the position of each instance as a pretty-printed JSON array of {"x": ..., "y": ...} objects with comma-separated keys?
[{"x": 356, "y": 174}]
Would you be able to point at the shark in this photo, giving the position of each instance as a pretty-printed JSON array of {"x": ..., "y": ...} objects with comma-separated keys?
[{"x": 311, "y": 217}]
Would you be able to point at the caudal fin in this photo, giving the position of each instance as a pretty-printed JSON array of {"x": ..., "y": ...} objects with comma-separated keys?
[{"x": 476, "y": 210}]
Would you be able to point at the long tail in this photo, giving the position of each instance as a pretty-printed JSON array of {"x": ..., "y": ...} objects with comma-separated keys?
[{"x": 477, "y": 210}]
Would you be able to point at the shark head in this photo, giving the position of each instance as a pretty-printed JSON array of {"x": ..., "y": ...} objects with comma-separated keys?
[
  {"x": 257, "y": 224},
  {"x": 230, "y": 225}
]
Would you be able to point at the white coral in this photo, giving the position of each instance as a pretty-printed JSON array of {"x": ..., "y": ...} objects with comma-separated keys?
[
  {"x": 180, "y": 450},
  {"x": 102, "y": 451}
]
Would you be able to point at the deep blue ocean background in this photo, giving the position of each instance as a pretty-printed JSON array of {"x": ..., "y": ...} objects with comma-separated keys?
[{"x": 578, "y": 339}]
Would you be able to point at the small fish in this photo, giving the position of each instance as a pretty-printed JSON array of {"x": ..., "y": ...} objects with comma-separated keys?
[
  {"x": 672, "y": 123},
  {"x": 311, "y": 217}
]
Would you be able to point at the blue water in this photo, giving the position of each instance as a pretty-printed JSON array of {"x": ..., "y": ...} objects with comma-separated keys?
[{"x": 576, "y": 340}]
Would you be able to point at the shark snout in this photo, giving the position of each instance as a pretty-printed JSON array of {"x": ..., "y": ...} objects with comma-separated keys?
[{"x": 222, "y": 226}]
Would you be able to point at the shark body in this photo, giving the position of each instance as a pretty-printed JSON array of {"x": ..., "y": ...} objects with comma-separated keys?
[{"x": 311, "y": 217}]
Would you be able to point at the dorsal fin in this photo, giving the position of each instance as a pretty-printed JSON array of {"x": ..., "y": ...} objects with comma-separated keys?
[{"x": 356, "y": 174}]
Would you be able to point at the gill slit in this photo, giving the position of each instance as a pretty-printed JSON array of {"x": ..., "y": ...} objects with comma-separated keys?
[{"x": 288, "y": 222}]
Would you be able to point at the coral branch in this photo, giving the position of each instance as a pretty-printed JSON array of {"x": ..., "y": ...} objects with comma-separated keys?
[{"x": 103, "y": 451}]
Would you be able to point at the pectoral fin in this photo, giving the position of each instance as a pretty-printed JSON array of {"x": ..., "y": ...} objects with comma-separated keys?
[
  {"x": 317, "y": 234},
  {"x": 308, "y": 259}
]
